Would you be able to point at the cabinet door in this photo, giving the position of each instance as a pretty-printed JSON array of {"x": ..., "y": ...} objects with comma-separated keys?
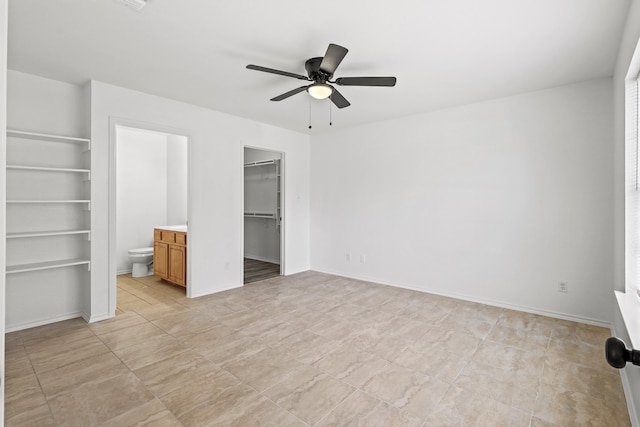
[
  {"x": 160, "y": 259},
  {"x": 178, "y": 264}
]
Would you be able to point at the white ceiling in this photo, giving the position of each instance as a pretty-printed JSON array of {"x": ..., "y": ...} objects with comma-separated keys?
[{"x": 444, "y": 53}]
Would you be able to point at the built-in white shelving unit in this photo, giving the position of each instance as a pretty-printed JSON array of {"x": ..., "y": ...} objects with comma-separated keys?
[{"x": 48, "y": 197}]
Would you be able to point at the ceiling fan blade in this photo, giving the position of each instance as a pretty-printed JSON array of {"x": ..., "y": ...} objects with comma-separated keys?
[
  {"x": 290, "y": 93},
  {"x": 339, "y": 100},
  {"x": 332, "y": 58},
  {"x": 272, "y": 71},
  {"x": 366, "y": 81}
]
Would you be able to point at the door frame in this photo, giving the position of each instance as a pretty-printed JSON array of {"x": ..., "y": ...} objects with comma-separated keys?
[
  {"x": 114, "y": 123},
  {"x": 283, "y": 215}
]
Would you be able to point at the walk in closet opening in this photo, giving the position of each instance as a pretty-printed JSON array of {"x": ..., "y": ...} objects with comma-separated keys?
[{"x": 263, "y": 243}]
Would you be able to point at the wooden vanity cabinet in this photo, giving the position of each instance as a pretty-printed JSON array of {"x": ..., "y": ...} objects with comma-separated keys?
[{"x": 170, "y": 255}]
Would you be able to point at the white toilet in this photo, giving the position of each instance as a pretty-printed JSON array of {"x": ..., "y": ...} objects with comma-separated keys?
[{"x": 142, "y": 259}]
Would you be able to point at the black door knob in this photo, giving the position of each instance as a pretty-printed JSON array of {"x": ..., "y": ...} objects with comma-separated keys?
[{"x": 618, "y": 355}]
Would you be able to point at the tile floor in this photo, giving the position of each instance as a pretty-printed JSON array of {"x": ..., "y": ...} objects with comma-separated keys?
[{"x": 310, "y": 350}]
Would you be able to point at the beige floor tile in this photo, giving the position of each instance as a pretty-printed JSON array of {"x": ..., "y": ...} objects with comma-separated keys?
[
  {"x": 202, "y": 391},
  {"x": 22, "y": 394},
  {"x": 231, "y": 347},
  {"x": 309, "y": 349},
  {"x": 414, "y": 393},
  {"x": 309, "y": 394},
  {"x": 351, "y": 366},
  {"x": 57, "y": 355},
  {"x": 68, "y": 377},
  {"x": 436, "y": 363},
  {"x": 263, "y": 369},
  {"x": 94, "y": 403},
  {"x": 581, "y": 354},
  {"x": 570, "y": 408},
  {"x": 54, "y": 330},
  {"x": 505, "y": 386},
  {"x": 455, "y": 342},
  {"x": 517, "y": 338},
  {"x": 461, "y": 407},
  {"x": 70, "y": 336},
  {"x": 580, "y": 333},
  {"x": 240, "y": 406},
  {"x": 476, "y": 327},
  {"x": 122, "y": 321},
  {"x": 156, "y": 311},
  {"x": 586, "y": 380},
  {"x": 132, "y": 335},
  {"x": 403, "y": 327},
  {"x": 39, "y": 416},
  {"x": 152, "y": 413},
  {"x": 511, "y": 359},
  {"x": 361, "y": 409},
  {"x": 168, "y": 374},
  {"x": 540, "y": 325},
  {"x": 150, "y": 351},
  {"x": 185, "y": 323}
]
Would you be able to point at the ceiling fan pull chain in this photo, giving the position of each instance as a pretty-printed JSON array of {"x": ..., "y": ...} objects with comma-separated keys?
[
  {"x": 309, "y": 114},
  {"x": 330, "y": 110}
]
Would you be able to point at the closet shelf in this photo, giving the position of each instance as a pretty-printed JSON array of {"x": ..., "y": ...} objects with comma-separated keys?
[
  {"x": 259, "y": 215},
  {"x": 260, "y": 163},
  {"x": 46, "y": 137},
  {"x": 46, "y": 169},
  {"x": 49, "y": 202},
  {"x": 22, "y": 268},
  {"x": 20, "y": 235}
]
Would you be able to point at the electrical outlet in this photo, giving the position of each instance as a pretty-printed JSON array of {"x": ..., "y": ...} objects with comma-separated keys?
[
  {"x": 348, "y": 257},
  {"x": 563, "y": 287}
]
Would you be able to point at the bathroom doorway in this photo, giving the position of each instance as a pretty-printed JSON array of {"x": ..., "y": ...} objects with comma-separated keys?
[
  {"x": 263, "y": 214},
  {"x": 151, "y": 190}
]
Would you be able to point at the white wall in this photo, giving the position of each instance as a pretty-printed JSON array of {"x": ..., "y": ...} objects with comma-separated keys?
[
  {"x": 47, "y": 106},
  {"x": 261, "y": 236},
  {"x": 496, "y": 201},
  {"x": 216, "y": 174},
  {"x": 177, "y": 180},
  {"x": 141, "y": 202}
]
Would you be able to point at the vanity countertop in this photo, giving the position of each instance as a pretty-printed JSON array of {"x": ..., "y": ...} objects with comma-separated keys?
[{"x": 181, "y": 228}]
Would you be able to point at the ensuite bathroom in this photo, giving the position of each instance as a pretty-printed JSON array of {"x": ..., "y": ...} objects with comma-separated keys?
[{"x": 151, "y": 195}]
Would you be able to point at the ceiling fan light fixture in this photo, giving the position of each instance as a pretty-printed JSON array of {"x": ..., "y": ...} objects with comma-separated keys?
[{"x": 320, "y": 90}]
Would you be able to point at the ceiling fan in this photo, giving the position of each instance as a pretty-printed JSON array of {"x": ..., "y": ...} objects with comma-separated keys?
[{"x": 320, "y": 71}]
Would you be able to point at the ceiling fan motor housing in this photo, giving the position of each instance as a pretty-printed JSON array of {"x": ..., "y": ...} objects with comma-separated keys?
[{"x": 312, "y": 66}]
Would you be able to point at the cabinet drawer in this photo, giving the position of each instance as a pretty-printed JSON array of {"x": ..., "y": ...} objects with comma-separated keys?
[
  {"x": 181, "y": 238},
  {"x": 157, "y": 234},
  {"x": 168, "y": 236}
]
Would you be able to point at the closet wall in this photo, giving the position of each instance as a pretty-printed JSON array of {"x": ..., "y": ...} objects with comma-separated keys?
[{"x": 262, "y": 182}]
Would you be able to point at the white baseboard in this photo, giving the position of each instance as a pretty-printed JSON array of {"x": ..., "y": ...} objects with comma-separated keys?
[
  {"x": 263, "y": 259},
  {"x": 97, "y": 318},
  {"x": 128, "y": 271},
  {"x": 557, "y": 315},
  {"x": 42, "y": 322}
]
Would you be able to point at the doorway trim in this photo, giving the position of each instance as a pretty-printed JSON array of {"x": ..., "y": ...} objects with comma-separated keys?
[
  {"x": 114, "y": 123},
  {"x": 283, "y": 204}
]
